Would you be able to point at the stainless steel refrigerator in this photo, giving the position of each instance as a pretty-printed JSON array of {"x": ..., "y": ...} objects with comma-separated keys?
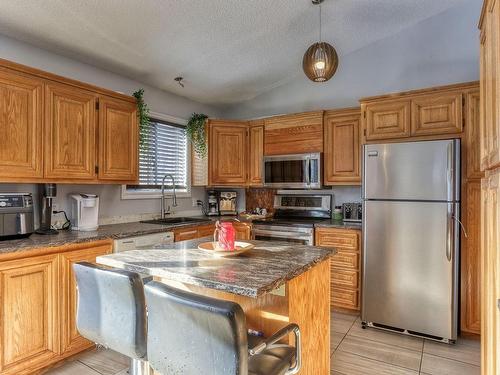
[{"x": 411, "y": 204}]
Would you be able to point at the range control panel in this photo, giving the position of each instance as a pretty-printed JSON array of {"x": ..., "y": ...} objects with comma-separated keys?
[{"x": 15, "y": 200}]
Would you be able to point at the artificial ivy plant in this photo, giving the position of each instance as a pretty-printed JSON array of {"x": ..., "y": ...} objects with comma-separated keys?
[
  {"x": 195, "y": 132},
  {"x": 142, "y": 116}
]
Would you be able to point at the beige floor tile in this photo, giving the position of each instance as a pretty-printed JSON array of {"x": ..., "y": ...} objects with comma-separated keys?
[
  {"x": 396, "y": 339},
  {"x": 465, "y": 350},
  {"x": 335, "y": 340},
  {"x": 72, "y": 368},
  {"x": 341, "y": 322},
  {"x": 390, "y": 354},
  {"x": 105, "y": 362},
  {"x": 350, "y": 364},
  {"x": 434, "y": 365}
]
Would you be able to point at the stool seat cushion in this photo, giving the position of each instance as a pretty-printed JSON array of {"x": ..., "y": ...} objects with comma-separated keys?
[{"x": 274, "y": 361}]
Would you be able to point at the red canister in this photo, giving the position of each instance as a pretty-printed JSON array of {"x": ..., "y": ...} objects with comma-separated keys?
[{"x": 224, "y": 235}]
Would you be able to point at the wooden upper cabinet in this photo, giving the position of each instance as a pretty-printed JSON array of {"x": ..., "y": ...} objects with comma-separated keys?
[
  {"x": 342, "y": 147},
  {"x": 256, "y": 152},
  {"x": 227, "y": 152},
  {"x": 71, "y": 340},
  {"x": 387, "y": 120},
  {"x": 70, "y": 132},
  {"x": 118, "y": 140},
  {"x": 439, "y": 113},
  {"x": 29, "y": 314},
  {"x": 472, "y": 135},
  {"x": 294, "y": 134},
  {"x": 21, "y": 116}
]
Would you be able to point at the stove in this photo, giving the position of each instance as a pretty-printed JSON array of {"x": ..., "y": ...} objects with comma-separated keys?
[{"x": 294, "y": 218}]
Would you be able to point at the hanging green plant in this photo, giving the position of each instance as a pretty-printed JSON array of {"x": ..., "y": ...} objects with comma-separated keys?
[
  {"x": 143, "y": 117},
  {"x": 195, "y": 132}
]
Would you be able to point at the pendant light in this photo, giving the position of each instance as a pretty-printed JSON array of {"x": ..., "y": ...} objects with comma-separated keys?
[{"x": 320, "y": 61}]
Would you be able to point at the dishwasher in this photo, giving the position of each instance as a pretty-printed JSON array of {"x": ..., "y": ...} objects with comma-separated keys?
[{"x": 142, "y": 242}]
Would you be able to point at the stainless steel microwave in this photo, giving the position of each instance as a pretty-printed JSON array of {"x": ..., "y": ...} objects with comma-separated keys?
[{"x": 297, "y": 171}]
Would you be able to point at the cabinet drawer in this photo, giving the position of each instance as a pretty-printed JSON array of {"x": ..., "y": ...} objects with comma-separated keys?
[
  {"x": 344, "y": 278},
  {"x": 338, "y": 238},
  {"x": 206, "y": 230},
  {"x": 344, "y": 298},
  {"x": 346, "y": 260},
  {"x": 186, "y": 234}
]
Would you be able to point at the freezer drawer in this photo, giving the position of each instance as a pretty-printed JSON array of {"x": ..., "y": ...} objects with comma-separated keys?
[
  {"x": 410, "y": 266},
  {"x": 427, "y": 170}
]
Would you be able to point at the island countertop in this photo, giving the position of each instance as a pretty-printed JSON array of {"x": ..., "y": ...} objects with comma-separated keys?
[{"x": 261, "y": 270}]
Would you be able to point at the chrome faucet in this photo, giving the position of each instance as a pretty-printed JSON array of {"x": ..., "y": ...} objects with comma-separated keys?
[{"x": 174, "y": 197}]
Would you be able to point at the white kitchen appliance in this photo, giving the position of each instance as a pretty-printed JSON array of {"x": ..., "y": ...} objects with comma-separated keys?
[{"x": 84, "y": 212}]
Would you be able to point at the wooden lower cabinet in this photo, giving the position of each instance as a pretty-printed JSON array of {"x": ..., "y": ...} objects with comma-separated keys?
[
  {"x": 345, "y": 266},
  {"x": 243, "y": 231},
  {"x": 29, "y": 335},
  {"x": 38, "y": 305},
  {"x": 71, "y": 341}
]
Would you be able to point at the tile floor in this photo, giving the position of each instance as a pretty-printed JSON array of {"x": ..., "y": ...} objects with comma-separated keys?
[{"x": 355, "y": 351}]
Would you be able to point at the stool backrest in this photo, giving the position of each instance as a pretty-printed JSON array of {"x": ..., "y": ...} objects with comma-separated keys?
[
  {"x": 111, "y": 308},
  {"x": 191, "y": 334}
]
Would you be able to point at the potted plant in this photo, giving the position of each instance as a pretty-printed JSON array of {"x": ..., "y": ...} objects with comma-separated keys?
[
  {"x": 142, "y": 116},
  {"x": 195, "y": 132}
]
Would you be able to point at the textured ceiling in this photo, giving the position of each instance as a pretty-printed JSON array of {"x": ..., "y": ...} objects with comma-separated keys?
[{"x": 227, "y": 50}]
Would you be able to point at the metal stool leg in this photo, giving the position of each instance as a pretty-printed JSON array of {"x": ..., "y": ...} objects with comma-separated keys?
[{"x": 138, "y": 367}]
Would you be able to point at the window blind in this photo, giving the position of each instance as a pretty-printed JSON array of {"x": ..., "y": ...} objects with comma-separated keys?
[{"x": 162, "y": 150}]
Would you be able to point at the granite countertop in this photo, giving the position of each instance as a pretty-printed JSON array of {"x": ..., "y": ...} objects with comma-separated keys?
[
  {"x": 339, "y": 224},
  {"x": 112, "y": 231},
  {"x": 261, "y": 270}
]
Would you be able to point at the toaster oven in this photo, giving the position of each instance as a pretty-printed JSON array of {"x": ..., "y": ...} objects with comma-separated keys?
[{"x": 16, "y": 215}]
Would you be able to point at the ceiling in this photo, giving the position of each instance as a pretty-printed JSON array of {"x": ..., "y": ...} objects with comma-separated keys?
[{"x": 228, "y": 51}]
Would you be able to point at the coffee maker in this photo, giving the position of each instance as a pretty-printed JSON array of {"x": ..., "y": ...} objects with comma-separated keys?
[
  {"x": 213, "y": 203},
  {"x": 227, "y": 202},
  {"x": 46, "y": 195},
  {"x": 84, "y": 212}
]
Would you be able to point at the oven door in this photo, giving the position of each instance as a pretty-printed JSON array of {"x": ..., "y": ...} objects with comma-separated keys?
[
  {"x": 304, "y": 237},
  {"x": 293, "y": 171}
]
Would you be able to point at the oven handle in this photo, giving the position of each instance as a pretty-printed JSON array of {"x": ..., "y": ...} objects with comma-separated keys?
[{"x": 269, "y": 233}]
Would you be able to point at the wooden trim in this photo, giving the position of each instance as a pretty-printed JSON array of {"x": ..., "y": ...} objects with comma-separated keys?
[
  {"x": 298, "y": 116},
  {"x": 67, "y": 81},
  {"x": 423, "y": 91}
]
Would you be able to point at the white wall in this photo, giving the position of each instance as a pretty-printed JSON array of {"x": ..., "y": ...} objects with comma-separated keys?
[
  {"x": 158, "y": 101},
  {"x": 440, "y": 50}
]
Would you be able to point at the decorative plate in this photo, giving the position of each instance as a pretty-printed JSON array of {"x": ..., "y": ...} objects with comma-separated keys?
[{"x": 239, "y": 248}]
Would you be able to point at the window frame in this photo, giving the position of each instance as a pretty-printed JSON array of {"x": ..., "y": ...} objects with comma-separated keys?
[{"x": 129, "y": 193}]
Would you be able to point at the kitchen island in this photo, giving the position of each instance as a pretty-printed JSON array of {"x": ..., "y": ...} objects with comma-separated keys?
[{"x": 275, "y": 283}]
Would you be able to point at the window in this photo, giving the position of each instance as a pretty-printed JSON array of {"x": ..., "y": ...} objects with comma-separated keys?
[{"x": 163, "y": 150}]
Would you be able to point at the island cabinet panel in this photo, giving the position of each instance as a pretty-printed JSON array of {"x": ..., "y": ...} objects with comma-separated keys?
[
  {"x": 227, "y": 153},
  {"x": 256, "y": 152},
  {"x": 29, "y": 314},
  {"x": 345, "y": 265},
  {"x": 71, "y": 340},
  {"x": 70, "y": 132},
  {"x": 118, "y": 140},
  {"x": 294, "y": 134},
  {"x": 437, "y": 114},
  {"x": 342, "y": 148},
  {"x": 387, "y": 119},
  {"x": 21, "y": 121}
]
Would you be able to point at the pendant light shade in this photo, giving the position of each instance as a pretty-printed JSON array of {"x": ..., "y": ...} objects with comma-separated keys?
[{"x": 320, "y": 62}]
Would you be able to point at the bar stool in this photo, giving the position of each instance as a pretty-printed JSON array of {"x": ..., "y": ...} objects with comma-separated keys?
[
  {"x": 112, "y": 312},
  {"x": 191, "y": 334}
]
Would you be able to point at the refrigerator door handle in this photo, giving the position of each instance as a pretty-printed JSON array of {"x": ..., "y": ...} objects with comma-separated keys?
[
  {"x": 450, "y": 172},
  {"x": 450, "y": 231}
]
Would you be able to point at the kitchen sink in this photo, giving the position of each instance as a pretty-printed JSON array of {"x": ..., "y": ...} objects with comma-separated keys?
[{"x": 174, "y": 220}]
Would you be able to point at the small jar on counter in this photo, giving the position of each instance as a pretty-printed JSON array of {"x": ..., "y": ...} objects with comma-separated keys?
[{"x": 337, "y": 213}]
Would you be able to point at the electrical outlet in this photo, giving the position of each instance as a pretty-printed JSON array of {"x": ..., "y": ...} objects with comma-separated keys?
[
  {"x": 194, "y": 202},
  {"x": 55, "y": 207}
]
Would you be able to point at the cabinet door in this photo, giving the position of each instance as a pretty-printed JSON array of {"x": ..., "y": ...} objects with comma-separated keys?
[
  {"x": 243, "y": 231},
  {"x": 437, "y": 114},
  {"x": 71, "y": 340},
  {"x": 70, "y": 133},
  {"x": 256, "y": 154},
  {"x": 386, "y": 120},
  {"x": 29, "y": 314},
  {"x": 472, "y": 136},
  {"x": 228, "y": 153},
  {"x": 342, "y": 150},
  {"x": 470, "y": 259},
  {"x": 118, "y": 140},
  {"x": 21, "y": 112},
  {"x": 185, "y": 234}
]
